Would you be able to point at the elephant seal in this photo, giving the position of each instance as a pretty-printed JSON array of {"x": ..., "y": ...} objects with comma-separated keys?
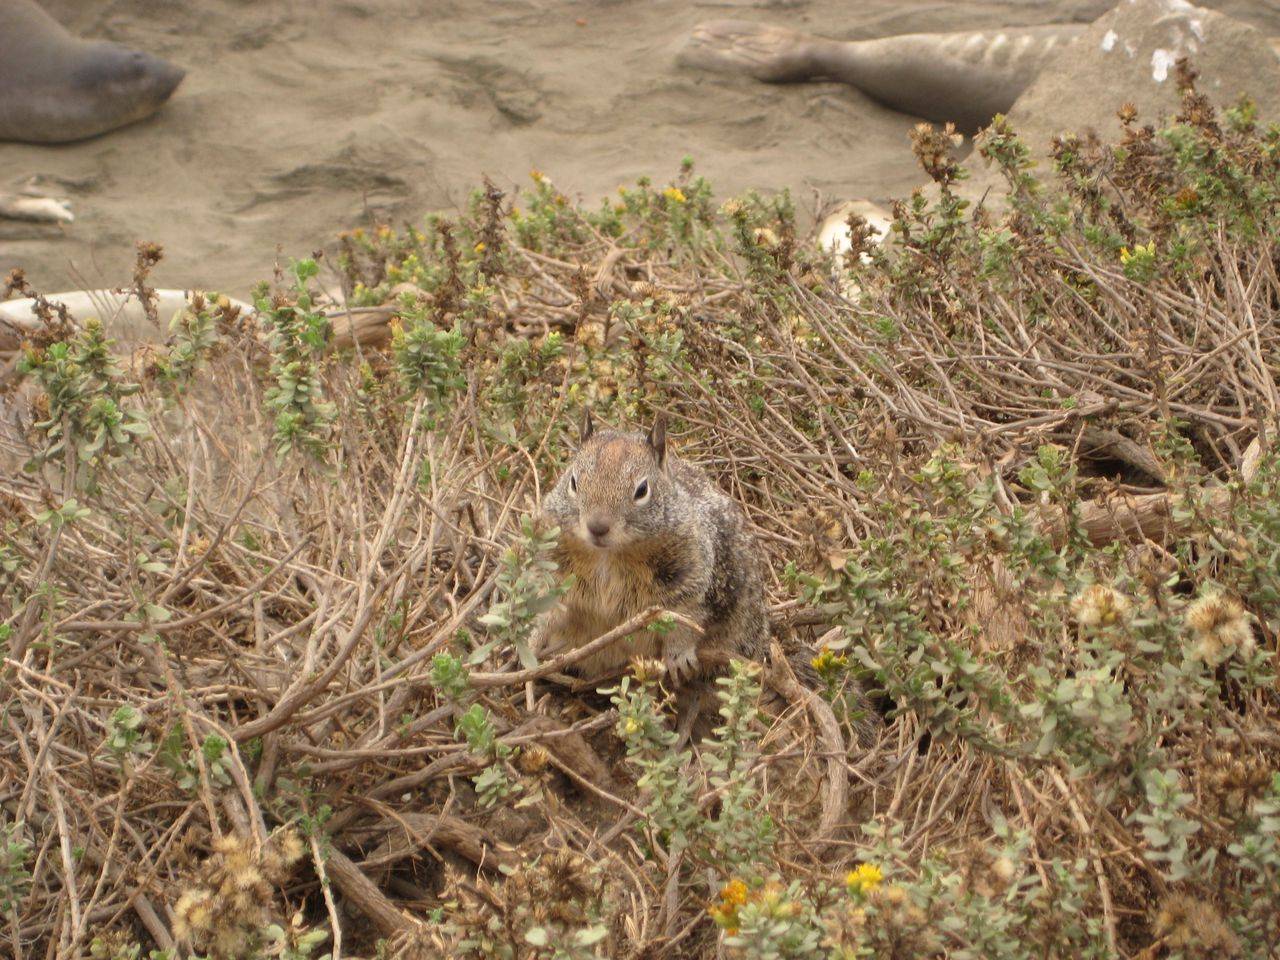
[
  {"x": 833, "y": 232},
  {"x": 963, "y": 77},
  {"x": 35, "y": 209},
  {"x": 56, "y": 88},
  {"x": 120, "y": 310},
  {"x": 833, "y": 237}
]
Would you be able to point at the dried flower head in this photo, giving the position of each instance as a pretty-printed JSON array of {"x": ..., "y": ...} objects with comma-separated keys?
[
  {"x": 764, "y": 237},
  {"x": 590, "y": 333},
  {"x": 1220, "y": 627},
  {"x": 1195, "y": 928},
  {"x": 533, "y": 760},
  {"x": 1100, "y": 605},
  {"x": 1234, "y": 781},
  {"x": 290, "y": 845},
  {"x": 231, "y": 895},
  {"x": 192, "y": 913},
  {"x": 932, "y": 148},
  {"x": 647, "y": 669}
]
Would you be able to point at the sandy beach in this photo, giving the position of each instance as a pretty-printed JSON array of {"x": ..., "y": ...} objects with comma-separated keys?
[{"x": 301, "y": 119}]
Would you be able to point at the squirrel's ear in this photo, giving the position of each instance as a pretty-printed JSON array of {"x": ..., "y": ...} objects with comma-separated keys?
[
  {"x": 587, "y": 427},
  {"x": 658, "y": 439}
]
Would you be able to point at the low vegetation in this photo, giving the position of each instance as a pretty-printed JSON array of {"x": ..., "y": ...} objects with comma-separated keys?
[{"x": 267, "y": 587}]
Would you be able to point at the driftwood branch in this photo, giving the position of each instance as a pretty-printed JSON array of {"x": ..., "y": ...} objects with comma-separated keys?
[
  {"x": 1150, "y": 516},
  {"x": 835, "y": 790}
]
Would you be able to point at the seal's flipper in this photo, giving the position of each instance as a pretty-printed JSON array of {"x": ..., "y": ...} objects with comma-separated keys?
[{"x": 770, "y": 54}]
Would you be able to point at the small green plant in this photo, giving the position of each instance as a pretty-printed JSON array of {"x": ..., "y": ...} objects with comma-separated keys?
[
  {"x": 528, "y": 586},
  {"x": 493, "y": 783},
  {"x": 193, "y": 334},
  {"x": 428, "y": 360},
  {"x": 85, "y": 394},
  {"x": 670, "y": 811},
  {"x": 297, "y": 335},
  {"x": 58, "y": 517},
  {"x": 449, "y": 676},
  {"x": 182, "y": 765},
  {"x": 15, "y": 876},
  {"x": 740, "y": 836},
  {"x": 126, "y": 736},
  {"x": 295, "y": 942}
]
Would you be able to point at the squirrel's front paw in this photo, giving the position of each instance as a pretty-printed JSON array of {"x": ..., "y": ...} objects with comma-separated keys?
[{"x": 682, "y": 665}]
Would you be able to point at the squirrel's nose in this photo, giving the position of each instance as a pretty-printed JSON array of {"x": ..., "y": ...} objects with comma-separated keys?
[{"x": 598, "y": 528}]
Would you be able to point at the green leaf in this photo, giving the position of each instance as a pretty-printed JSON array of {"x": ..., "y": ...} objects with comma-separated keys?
[{"x": 592, "y": 935}]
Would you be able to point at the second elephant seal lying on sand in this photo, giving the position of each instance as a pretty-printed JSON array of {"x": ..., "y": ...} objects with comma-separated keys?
[
  {"x": 964, "y": 77},
  {"x": 55, "y": 88}
]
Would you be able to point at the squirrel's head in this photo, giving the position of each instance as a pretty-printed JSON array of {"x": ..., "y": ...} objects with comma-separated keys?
[{"x": 615, "y": 490}]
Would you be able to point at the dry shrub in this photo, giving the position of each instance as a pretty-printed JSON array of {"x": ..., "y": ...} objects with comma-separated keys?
[{"x": 1024, "y": 488}]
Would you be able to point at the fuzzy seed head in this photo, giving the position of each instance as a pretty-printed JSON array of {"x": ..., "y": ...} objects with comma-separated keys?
[
  {"x": 1220, "y": 627},
  {"x": 533, "y": 760},
  {"x": 1100, "y": 605},
  {"x": 246, "y": 877},
  {"x": 1195, "y": 928},
  {"x": 1004, "y": 870},
  {"x": 291, "y": 846},
  {"x": 192, "y": 914}
]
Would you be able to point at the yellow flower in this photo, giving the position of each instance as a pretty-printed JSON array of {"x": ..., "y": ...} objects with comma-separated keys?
[
  {"x": 674, "y": 194},
  {"x": 864, "y": 879},
  {"x": 725, "y": 913},
  {"x": 480, "y": 247},
  {"x": 827, "y": 662},
  {"x": 536, "y": 175},
  {"x": 1141, "y": 250}
]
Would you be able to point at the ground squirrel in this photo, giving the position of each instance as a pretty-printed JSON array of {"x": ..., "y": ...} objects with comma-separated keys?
[{"x": 639, "y": 527}]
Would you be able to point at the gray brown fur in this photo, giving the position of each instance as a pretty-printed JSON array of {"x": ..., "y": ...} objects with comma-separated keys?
[
  {"x": 686, "y": 547},
  {"x": 56, "y": 88},
  {"x": 964, "y": 77}
]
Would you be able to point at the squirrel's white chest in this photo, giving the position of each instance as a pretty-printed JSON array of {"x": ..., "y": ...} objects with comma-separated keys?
[
  {"x": 612, "y": 591},
  {"x": 604, "y": 594}
]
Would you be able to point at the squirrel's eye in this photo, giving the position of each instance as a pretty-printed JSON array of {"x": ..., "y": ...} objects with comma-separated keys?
[
  {"x": 573, "y": 483},
  {"x": 642, "y": 491}
]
